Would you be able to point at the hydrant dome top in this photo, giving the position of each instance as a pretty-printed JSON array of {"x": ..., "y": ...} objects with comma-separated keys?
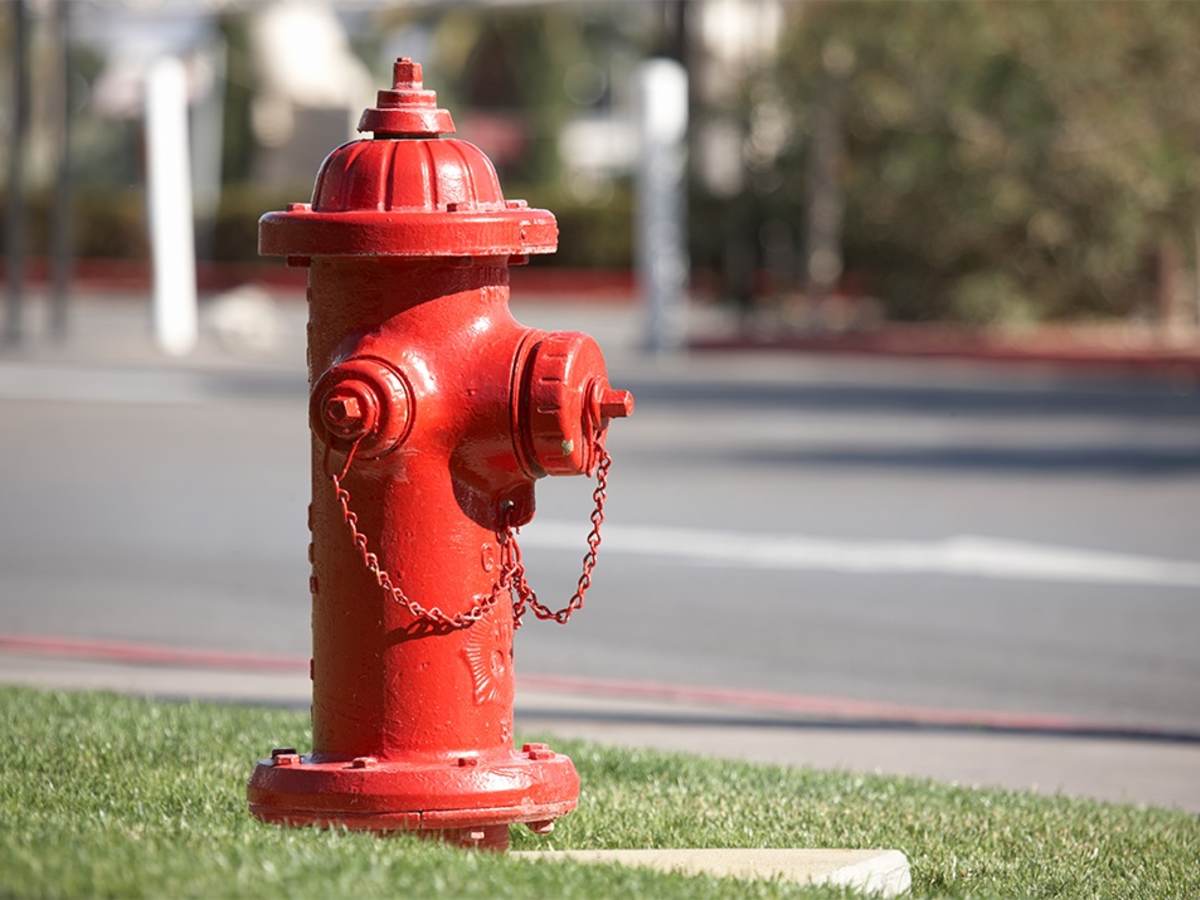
[
  {"x": 407, "y": 175},
  {"x": 407, "y": 191}
]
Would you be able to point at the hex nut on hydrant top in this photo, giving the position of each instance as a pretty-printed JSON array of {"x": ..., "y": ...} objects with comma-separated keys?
[{"x": 433, "y": 412}]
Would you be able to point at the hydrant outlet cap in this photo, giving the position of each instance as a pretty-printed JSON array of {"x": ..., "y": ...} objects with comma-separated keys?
[{"x": 565, "y": 402}]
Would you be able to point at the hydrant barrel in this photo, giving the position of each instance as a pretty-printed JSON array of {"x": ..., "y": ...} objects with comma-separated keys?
[
  {"x": 434, "y": 503},
  {"x": 433, "y": 413}
]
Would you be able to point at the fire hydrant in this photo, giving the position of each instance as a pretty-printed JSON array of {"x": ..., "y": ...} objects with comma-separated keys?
[{"x": 433, "y": 412}]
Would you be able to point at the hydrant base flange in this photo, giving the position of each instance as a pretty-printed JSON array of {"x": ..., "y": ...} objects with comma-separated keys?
[{"x": 402, "y": 795}]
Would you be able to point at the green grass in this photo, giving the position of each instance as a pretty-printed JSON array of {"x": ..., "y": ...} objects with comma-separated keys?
[{"x": 110, "y": 796}]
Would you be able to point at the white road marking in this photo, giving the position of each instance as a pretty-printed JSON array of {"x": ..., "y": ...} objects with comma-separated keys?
[
  {"x": 966, "y": 555},
  {"x": 161, "y": 386},
  {"x": 100, "y": 385}
]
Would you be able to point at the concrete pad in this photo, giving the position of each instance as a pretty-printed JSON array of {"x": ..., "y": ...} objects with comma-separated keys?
[{"x": 883, "y": 872}]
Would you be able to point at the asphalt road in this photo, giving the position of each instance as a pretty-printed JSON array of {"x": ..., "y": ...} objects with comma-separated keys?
[{"x": 941, "y": 534}]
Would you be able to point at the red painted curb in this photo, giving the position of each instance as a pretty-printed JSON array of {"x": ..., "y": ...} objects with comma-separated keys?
[{"x": 149, "y": 654}]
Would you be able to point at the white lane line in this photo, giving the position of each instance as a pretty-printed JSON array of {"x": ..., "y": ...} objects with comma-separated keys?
[
  {"x": 91, "y": 385},
  {"x": 968, "y": 555},
  {"x": 161, "y": 386}
]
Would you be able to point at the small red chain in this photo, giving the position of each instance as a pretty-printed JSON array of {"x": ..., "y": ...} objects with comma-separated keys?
[
  {"x": 512, "y": 578},
  {"x": 514, "y": 566}
]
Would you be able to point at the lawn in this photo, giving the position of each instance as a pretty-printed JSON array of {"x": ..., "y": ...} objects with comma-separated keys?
[{"x": 110, "y": 796}]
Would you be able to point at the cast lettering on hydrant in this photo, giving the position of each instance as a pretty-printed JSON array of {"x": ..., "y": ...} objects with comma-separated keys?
[{"x": 433, "y": 412}]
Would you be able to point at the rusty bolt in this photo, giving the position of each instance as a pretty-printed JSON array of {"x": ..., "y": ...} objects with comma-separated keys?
[
  {"x": 468, "y": 761},
  {"x": 362, "y": 762},
  {"x": 616, "y": 404},
  {"x": 537, "y": 751}
]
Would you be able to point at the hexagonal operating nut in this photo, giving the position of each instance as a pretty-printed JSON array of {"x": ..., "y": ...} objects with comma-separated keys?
[
  {"x": 344, "y": 412},
  {"x": 350, "y": 409},
  {"x": 362, "y": 400},
  {"x": 610, "y": 403}
]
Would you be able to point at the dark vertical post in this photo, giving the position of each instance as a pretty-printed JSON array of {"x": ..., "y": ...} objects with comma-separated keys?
[
  {"x": 61, "y": 249},
  {"x": 14, "y": 237}
]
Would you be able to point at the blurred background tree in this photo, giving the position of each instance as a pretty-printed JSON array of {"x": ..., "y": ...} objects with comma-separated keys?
[
  {"x": 1007, "y": 161},
  {"x": 969, "y": 161}
]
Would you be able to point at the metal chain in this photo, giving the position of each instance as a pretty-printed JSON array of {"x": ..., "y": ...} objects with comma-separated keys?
[
  {"x": 512, "y": 578},
  {"x": 514, "y": 565}
]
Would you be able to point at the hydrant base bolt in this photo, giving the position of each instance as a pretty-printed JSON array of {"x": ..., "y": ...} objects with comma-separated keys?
[
  {"x": 541, "y": 827},
  {"x": 363, "y": 762},
  {"x": 285, "y": 756}
]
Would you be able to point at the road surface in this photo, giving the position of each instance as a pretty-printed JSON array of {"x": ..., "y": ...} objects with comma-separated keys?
[{"x": 938, "y": 534}]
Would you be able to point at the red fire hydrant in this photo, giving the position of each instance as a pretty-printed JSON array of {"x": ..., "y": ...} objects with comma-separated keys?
[{"x": 433, "y": 412}]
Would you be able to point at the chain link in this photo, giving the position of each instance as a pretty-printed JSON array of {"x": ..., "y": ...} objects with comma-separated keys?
[
  {"x": 512, "y": 578},
  {"x": 514, "y": 565}
]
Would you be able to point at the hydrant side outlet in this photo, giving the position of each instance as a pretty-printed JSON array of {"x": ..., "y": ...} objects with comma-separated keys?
[{"x": 433, "y": 412}]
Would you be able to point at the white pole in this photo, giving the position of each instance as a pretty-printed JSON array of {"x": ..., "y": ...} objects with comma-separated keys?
[
  {"x": 661, "y": 240},
  {"x": 169, "y": 191}
]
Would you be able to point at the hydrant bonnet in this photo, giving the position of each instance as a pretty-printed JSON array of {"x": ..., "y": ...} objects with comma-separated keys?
[{"x": 421, "y": 196}]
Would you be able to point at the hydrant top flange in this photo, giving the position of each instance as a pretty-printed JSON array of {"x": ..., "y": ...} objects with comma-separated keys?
[{"x": 407, "y": 191}]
